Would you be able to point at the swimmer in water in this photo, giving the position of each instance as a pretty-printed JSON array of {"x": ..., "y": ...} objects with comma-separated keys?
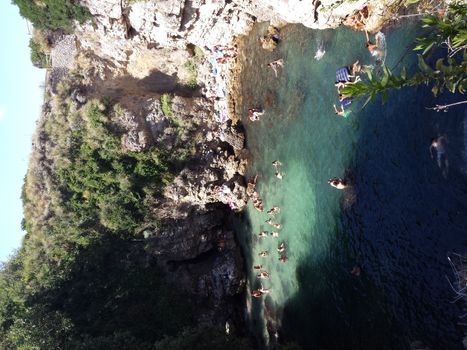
[
  {"x": 274, "y": 210},
  {"x": 337, "y": 183},
  {"x": 276, "y": 163},
  {"x": 355, "y": 68},
  {"x": 258, "y": 267},
  {"x": 269, "y": 221},
  {"x": 278, "y": 226},
  {"x": 264, "y": 253},
  {"x": 283, "y": 258},
  {"x": 438, "y": 145},
  {"x": 279, "y": 175},
  {"x": 356, "y": 271},
  {"x": 274, "y": 234},
  {"x": 279, "y": 62},
  {"x": 370, "y": 46},
  {"x": 264, "y": 290},
  {"x": 256, "y": 293},
  {"x": 263, "y": 234},
  {"x": 275, "y": 64},
  {"x": 281, "y": 248},
  {"x": 255, "y": 114},
  {"x": 342, "y": 112},
  {"x": 263, "y": 275}
]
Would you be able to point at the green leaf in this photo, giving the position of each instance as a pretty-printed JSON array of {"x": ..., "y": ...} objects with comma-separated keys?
[
  {"x": 385, "y": 79},
  {"x": 404, "y": 73},
  {"x": 369, "y": 73},
  {"x": 368, "y": 100},
  {"x": 423, "y": 66},
  {"x": 428, "y": 20},
  {"x": 462, "y": 87},
  {"x": 428, "y": 48},
  {"x": 439, "y": 64},
  {"x": 451, "y": 86}
]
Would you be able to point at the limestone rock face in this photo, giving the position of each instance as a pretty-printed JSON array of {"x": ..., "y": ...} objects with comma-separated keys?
[{"x": 121, "y": 27}]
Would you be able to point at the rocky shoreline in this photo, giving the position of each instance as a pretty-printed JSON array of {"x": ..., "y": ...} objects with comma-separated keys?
[{"x": 134, "y": 53}]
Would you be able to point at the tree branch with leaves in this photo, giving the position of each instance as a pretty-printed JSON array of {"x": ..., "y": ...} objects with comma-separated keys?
[{"x": 448, "y": 73}]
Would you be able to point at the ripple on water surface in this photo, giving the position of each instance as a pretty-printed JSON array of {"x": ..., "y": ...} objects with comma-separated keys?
[{"x": 397, "y": 221}]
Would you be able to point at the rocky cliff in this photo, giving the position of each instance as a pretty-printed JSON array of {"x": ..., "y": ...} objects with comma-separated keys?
[{"x": 136, "y": 53}]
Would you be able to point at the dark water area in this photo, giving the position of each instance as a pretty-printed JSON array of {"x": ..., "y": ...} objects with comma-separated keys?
[{"x": 398, "y": 220}]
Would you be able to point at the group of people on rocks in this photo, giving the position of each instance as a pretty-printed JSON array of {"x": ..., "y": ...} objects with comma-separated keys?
[
  {"x": 358, "y": 20},
  {"x": 215, "y": 85},
  {"x": 281, "y": 248}
]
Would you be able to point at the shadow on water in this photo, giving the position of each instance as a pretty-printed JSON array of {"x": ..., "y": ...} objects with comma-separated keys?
[{"x": 406, "y": 218}]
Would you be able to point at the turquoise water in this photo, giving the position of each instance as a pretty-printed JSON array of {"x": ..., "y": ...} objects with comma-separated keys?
[{"x": 397, "y": 221}]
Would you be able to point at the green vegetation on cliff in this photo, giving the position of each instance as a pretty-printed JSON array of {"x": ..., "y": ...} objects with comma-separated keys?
[
  {"x": 82, "y": 278},
  {"x": 52, "y": 14},
  {"x": 39, "y": 56}
]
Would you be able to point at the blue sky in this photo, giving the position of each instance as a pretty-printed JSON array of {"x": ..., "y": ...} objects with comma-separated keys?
[{"x": 20, "y": 101}]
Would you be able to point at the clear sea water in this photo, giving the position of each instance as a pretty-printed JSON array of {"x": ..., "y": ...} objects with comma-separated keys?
[{"x": 398, "y": 220}]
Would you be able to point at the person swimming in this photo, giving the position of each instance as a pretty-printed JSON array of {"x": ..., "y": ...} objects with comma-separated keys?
[
  {"x": 356, "y": 271},
  {"x": 337, "y": 183},
  {"x": 373, "y": 48},
  {"x": 438, "y": 145},
  {"x": 281, "y": 248},
  {"x": 264, "y": 290},
  {"x": 269, "y": 221},
  {"x": 283, "y": 258},
  {"x": 275, "y": 64},
  {"x": 263, "y": 234},
  {"x": 258, "y": 204},
  {"x": 256, "y": 293},
  {"x": 276, "y": 163},
  {"x": 344, "y": 101},
  {"x": 355, "y": 68},
  {"x": 263, "y": 275},
  {"x": 274, "y": 234},
  {"x": 342, "y": 113},
  {"x": 277, "y": 226},
  {"x": 279, "y": 175},
  {"x": 255, "y": 114},
  {"x": 258, "y": 267},
  {"x": 274, "y": 210},
  {"x": 264, "y": 253}
]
